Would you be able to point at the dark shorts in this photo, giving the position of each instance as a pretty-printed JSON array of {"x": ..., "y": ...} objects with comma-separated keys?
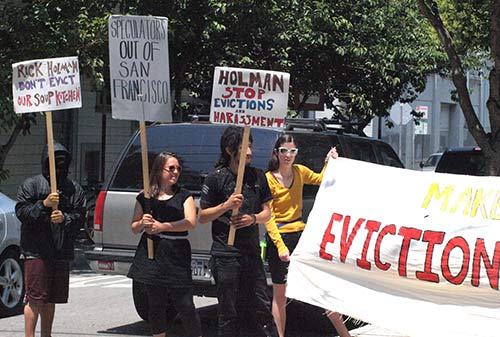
[
  {"x": 278, "y": 268},
  {"x": 46, "y": 282}
]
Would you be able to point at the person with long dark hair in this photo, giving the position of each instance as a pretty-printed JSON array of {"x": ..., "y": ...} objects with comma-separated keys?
[
  {"x": 167, "y": 276},
  {"x": 286, "y": 181},
  {"x": 238, "y": 269}
]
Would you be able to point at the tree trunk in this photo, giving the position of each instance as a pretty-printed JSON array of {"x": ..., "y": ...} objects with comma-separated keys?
[{"x": 489, "y": 142}]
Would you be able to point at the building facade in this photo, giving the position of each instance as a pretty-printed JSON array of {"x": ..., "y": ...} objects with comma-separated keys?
[{"x": 444, "y": 123}]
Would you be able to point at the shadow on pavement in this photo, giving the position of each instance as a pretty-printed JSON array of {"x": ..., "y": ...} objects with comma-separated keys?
[{"x": 208, "y": 316}]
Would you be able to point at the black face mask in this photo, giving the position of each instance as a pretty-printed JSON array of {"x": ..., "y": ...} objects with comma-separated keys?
[{"x": 62, "y": 168}]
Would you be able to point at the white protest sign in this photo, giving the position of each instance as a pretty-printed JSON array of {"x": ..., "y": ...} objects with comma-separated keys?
[
  {"x": 46, "y": 85},
  {"x": 139, "y": 68},
  {"x": 249, "y": 97},
  {"x": 408, "y": 251}
]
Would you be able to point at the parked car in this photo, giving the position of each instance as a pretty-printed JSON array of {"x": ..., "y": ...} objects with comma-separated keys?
[
  {"x": 467, "y": 160},
  {"x": 430, "y": 163},
  {"x": 11, "y": 268},
  {"x": 198, "y": 147}
]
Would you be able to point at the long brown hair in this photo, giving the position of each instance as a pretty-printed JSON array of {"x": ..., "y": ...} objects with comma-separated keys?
[
  {"x": 274, "y": 162},
  {"x": 156, "y": 173}
]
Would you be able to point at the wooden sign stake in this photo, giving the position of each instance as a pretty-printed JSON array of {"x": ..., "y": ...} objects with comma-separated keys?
[
  {"x": 239, "y": 178},
  {"x": 145, "y": 180},
  {"x": 52, "y": 157}
]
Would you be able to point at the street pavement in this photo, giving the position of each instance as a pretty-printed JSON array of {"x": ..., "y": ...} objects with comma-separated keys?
[{"x": 102, "y": 305}]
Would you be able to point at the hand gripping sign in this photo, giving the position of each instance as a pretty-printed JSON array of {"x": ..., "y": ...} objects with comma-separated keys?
[
  {"x": 140, "y": 78},
  {"x": 248, "y": 97},
  {"x": 46, "y": 85}
]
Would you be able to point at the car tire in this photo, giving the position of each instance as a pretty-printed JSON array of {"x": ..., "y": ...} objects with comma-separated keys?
[
  {"x": 11, "y": 283},
  {"x": 141, "y": 303},
  {"x": 89, "y": 223}
]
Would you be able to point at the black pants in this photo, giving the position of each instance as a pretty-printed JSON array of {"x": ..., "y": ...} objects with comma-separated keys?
[
  {"x": 160, "y": 297},
  {"x": 241, "y": 285}
]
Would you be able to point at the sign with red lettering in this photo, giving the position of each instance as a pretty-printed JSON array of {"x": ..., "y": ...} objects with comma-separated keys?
[
  {"x": 46, "y": 85},
  {"x": 139, "y": 68},
  {"x": 407, "y": 251},
  {"x": 249, "y": 97}
]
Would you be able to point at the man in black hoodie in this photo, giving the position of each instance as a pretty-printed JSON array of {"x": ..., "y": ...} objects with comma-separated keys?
[{"x": 47, "y": 238}]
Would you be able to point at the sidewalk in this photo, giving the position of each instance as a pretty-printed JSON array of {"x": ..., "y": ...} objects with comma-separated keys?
[{"x": 374, "y": 331}]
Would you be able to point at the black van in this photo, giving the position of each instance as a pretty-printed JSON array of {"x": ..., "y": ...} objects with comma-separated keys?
[{"x": 197, "y": 145}]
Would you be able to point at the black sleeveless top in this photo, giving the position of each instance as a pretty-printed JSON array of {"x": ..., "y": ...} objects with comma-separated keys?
[{"x": 171, "y": 265}]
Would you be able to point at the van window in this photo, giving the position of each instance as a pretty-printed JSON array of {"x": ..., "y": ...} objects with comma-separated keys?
[
  {"x": 387, "y": 155},
  {"x": 361, "y": 150},
  {"x": 196, "y": 145}
]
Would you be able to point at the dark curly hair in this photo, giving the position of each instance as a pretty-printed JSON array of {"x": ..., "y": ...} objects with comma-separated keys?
[{"x": 231, "y": 139}]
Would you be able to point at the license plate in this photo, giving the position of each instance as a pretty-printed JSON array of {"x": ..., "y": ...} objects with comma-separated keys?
[{"x": 198, "y": 269}]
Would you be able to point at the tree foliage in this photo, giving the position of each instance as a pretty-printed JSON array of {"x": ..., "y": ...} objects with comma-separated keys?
[
  {"x": 470, "y": 36},
  {"x": 44, "y": 29},
  {"x": 366, "y": 53}
]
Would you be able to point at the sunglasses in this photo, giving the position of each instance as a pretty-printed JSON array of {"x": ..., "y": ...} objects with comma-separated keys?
[
  {"x": 172, "y": 169},
  {"x": 284, "y": 150}
]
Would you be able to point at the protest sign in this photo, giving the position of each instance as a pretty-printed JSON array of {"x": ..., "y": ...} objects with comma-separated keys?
[
  {"x": 413, "y": 252},
  {"x": 140, "y": 78},
  {"x": 248, "y": 97},
  {"x": 139, "y": 68},
  {"x": 47, "y": 85}
]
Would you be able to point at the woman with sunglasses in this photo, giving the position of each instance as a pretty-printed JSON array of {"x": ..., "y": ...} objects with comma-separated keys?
[
  {"x": 167, "y": 277},
  {"x": 286, "y": 181}
]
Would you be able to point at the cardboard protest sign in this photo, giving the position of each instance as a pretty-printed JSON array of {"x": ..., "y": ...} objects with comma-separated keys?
[
  {"x": 139, "y": 68},
  {"x": 413, "y": 252},
  {"x": 140, "y": 78},
  {"x": 46, "y": 85},
  {"x": 249, "y": 97}
]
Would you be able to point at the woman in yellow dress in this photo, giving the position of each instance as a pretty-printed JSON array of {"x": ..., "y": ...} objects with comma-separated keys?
[{"x": 286, "y": 181}]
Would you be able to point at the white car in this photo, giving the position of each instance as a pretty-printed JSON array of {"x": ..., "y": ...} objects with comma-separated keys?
[
  {"x": 430, "y": 163},
  {"x": 11, "y": 271}
]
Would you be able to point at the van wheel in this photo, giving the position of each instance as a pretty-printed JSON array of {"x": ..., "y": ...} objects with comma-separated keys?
[
  {"x": 11, "y": 284},
  {"x": 141, "y": 303}
]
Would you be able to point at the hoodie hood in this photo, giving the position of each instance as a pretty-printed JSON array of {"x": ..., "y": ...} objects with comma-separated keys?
[{"x": 61, "y": 170}]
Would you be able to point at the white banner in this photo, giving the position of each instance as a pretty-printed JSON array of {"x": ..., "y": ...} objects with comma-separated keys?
[
  {"x": 139, "y": 68},
  {"x": 249, "y": 97},
  {"x": 46, "y": 85},
  {"x": 413, "y": 252}
]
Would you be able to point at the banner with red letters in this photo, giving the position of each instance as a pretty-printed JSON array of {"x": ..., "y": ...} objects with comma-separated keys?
[
  {"x": 258, "y": 98},
  {"x": 414, "y": 252}
]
